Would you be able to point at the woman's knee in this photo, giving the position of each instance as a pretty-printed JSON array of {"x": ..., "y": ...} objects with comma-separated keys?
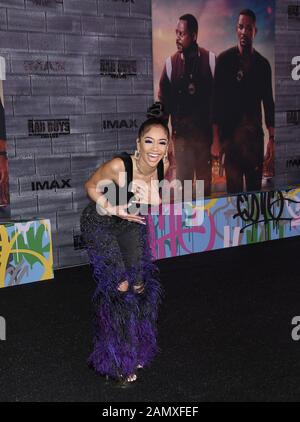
[{"x": 123, "y": 286}]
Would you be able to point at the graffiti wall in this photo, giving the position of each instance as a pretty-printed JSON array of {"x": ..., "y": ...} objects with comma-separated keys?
[
  {"x": 228, "y": 221},
  {"x": 78, "y": 83},
  {"x": 25, "y": 252}
]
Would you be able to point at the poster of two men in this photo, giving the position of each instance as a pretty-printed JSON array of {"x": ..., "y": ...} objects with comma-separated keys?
[{"x": 214, "y": 74}]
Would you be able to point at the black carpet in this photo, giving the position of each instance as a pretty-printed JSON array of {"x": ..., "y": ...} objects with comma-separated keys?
[{"x": 224, "y": 332}]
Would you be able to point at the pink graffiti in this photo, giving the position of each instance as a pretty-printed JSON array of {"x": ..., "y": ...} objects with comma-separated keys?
[{"x": 176, "y": 232}]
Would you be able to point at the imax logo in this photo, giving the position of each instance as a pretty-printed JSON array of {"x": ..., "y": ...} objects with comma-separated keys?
[
  {"x": 293, "y": 117},
  {"x": 2, "y": 329},
  {"x": 46, "y": 2},
  {"x": 119, "y": 124},
  {"x": 46, "y": 185},
  {"x": 293, "y": 11},
  {"x": 125, "y": 1},
  {"x": 293, "y": 163}
]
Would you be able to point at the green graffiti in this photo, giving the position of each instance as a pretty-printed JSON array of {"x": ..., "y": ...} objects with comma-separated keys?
[{"x": 34, "y": 243}]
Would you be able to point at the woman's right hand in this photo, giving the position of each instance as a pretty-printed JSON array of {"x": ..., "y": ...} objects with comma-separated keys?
[{"x": 121, "y": 211}]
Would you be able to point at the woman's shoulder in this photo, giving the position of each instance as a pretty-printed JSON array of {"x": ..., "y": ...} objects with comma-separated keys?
[
  {"x": 110, "y": 169},
  {"x": 115, "y": 163},
  {"x": 121, "y": 158}
]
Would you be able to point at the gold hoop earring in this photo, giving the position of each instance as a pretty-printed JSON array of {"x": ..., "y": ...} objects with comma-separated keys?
[
  {"x": 136, "y": 154},
  {"x": 165, "y": 159}
]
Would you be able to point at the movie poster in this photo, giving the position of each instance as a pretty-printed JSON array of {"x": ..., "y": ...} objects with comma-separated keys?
[
  {"x": 4, "y": 193},
  {"x": 214, "y": 73}
]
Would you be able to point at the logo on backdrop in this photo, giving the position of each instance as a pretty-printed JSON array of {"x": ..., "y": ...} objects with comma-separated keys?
[
  {"x": 78, "y": 242},
  {"x": 2, "y": 328},
  {"x": 118, "y": 68},
  {"x": 49, "y": 128},
  {"x": 293, "y": 163},
  {"x": 49, "y": 185},
  {"x": 43, "y": 66},
  {"x": 46, "y": 2},
  {"x": 119, "y": 124},
  {"x": 293, "y": 11},
  {"x": 124, "y": 1},
  {"x": 293, "y": 117}
]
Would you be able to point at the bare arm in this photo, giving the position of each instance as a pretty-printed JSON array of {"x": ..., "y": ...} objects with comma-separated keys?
[{"x": 104, "y": 175}]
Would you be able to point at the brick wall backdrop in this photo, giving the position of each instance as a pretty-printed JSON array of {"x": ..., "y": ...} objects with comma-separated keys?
[
  {"x": 287, "y": 93},
  {"x": 54, "y": 51}
]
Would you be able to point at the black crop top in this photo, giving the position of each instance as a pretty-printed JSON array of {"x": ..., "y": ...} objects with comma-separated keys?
[{"x": 129, "y": 170}]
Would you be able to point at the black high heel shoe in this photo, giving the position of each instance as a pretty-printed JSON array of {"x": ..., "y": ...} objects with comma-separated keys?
[{"x": 122, "y": 381}]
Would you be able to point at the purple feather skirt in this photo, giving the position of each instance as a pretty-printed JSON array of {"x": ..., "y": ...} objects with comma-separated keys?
[{"x": 124, "y": 322}]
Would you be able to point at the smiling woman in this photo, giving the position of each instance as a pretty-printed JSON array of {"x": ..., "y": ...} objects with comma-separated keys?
[{"x": 116, "y": 238}]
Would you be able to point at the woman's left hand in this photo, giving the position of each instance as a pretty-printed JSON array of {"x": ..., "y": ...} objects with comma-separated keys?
[{"x": 146, "y": 193}]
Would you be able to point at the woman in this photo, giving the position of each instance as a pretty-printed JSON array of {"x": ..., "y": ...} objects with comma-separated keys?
[{"x": 128, "y": 289}]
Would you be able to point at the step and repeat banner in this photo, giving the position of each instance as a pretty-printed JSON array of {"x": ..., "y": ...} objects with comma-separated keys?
[
  {"x": 227, "y": 73},
  {"x": 80, "y": 76},
  {"x": 78, "y": 84},
  {"x": 4, "y": 189}
]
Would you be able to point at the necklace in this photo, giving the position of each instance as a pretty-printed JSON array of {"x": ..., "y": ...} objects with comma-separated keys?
[
  {"x": 139, "y": 169},
  {"x": 191, "y": 66}
]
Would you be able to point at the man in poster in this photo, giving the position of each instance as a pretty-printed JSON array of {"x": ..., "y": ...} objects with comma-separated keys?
[
  {"x": 185, "y": 89},
  {"x": 243, "y": 82}
]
